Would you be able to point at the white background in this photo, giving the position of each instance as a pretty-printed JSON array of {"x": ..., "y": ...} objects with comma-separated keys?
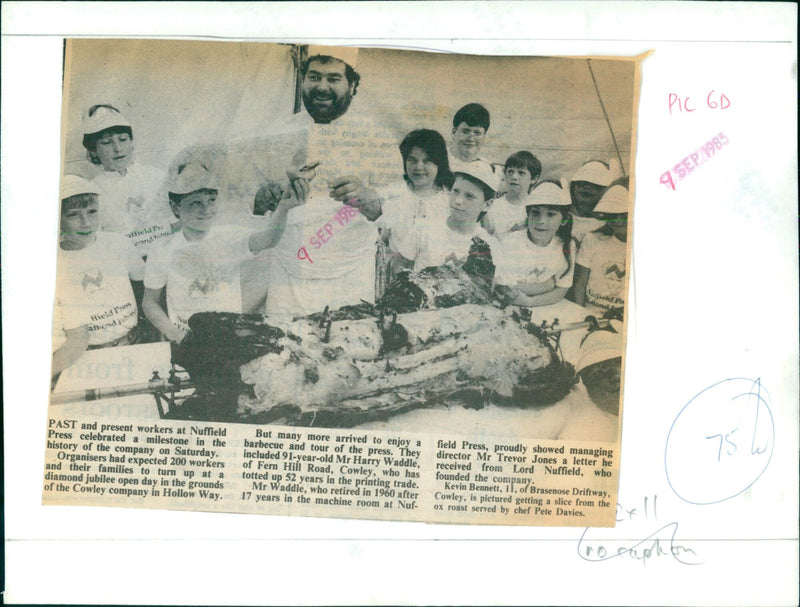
[{"x": 713, "y": 296}]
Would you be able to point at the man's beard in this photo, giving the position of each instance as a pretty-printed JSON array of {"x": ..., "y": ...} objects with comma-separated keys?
[{"x": 323, "y": 112}]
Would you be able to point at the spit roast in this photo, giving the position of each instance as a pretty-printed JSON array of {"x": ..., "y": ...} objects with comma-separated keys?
[{"x": 434, "y": 338}]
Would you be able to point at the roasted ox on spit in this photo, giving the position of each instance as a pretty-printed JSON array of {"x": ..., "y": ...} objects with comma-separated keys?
[{"x": 434, "y": 338}]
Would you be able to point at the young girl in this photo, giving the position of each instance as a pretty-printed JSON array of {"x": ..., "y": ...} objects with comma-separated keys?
[
  {"x": 421, "y": 198},
  {"x": 600, "y": 265},
  {"x": 508, "y": 213},
  {"x": 536, "y": 265}
]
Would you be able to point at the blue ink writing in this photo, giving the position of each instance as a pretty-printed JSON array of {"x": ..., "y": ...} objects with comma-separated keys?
[{"x": 721, "y": 442}]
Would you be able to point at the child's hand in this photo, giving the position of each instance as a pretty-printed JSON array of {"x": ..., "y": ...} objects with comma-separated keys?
[
  {"x": 296, "y": 195},
  {"x": 267, "y": 198},
  {"x": 505, "y": 294},
  {"x": 175, "y": 334}
]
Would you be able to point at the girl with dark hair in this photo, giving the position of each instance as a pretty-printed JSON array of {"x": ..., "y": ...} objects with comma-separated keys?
[
  {"x": 536, "y": 266},
  {"x": 421, "y": 198}
]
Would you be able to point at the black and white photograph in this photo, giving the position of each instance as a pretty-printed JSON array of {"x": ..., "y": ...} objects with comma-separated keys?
[
  {"x": 332, "y": 236},
  {"x": 400, "y": 303},
  {"x": 295, "y": 237}
]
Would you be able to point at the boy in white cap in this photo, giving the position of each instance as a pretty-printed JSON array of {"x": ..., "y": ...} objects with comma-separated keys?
[
  {"x": 199, "y": 266},
  {"x": 132, "y": 199},
  {"x": 600, "y": 264},
  {"x": 586, "y": 188},
  {"x": 599, "y": 366},
  {"x": 535, "y": 267},
  {"x": 591, "y": 410},
  {"x": 94, "y": 272},
  {"x": 434, "y": 243}
]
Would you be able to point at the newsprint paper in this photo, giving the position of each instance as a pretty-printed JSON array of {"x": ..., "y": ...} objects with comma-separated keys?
[{"x": 340, "y": 282}]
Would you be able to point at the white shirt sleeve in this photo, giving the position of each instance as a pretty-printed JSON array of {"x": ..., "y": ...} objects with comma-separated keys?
[{"x": 155, "y": 272}]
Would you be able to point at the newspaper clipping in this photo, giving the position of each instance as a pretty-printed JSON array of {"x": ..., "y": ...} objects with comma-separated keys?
[{"x": 341, "y": 282}]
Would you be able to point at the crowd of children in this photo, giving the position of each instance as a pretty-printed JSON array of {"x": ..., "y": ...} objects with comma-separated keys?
[{"x": 136, "y": 260}]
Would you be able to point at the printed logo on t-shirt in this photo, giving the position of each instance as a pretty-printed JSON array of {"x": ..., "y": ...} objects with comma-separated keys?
[
  {"x": 203, "y": 277},
  {"x": 92, "y": 282},
  {"x": 614, "y": 275},
  {"x": 537, "y": 272},
  {"x": 134, "y": 205}
]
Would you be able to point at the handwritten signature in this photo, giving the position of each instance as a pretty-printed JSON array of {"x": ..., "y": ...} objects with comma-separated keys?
[{"x": 643, "y": 550}]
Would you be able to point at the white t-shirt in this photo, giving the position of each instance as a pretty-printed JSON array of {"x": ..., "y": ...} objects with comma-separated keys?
[
  {"x": 94, "y": 283},
  {"x": 605, "y": 257},
  {"x": 402, "y": 210},
  {"x": 326, "y": 256},
  {"x": 200, "y": 276},
  {"x": 66, "y": 319},
  {"x": 434, "y": 244},
  {"x": 522, "y": 261},
  {"x": 504, "y": 215},
  {"x": 135, "y": 205},
  {"x": 581, "y": 226}
]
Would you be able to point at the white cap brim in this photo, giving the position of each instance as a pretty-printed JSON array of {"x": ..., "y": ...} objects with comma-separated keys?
[
  {"x": 615, "y": 200},
  {"x": 72, "y": 185}
]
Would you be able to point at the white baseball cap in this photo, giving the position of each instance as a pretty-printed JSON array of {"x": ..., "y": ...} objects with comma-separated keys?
[
  {"x": 103, "y": 117},
  {"x": 72, "y": 185},
  {"x": 549, "y": 193},
  {"x": 595, "y": 172},
  {"x": 599, "y": 346},
  {"x": 482, "y": 171},
  {"x": 191, "y": 177},
  {"x": 615, "y": 200},
  {"x": 348, "y": 55}
]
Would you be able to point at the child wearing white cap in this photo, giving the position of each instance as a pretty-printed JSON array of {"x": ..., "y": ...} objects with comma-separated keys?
[
  {"x": 94, "y": 272},
  {"x": 600, "y": 264},
  {"x": 599, "y": 366},
  {"x": 508, "y": 212},
  {"x": 535, "y": 267},
  {"x": 132, "y": 199},
  {"x": 199, "y": 266},
  {"x": 434, "y": 243},
  {"x": 586, "y": 189}
]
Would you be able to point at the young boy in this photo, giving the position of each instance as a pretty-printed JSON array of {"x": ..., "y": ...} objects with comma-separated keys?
[
  {"x": 508, "y": 213},
  {"x": 199, "y": 265},
  {"x": 433, "y": 244},
  {"x": 470, "y": 125},
  {"x": 94, "y": 272},
  {"x": 586, "y": 189}
]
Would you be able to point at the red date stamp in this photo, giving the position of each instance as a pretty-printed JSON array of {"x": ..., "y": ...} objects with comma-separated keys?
[
  {"x": 326, "y": 232},
  {"x": 694, "y": 160}
]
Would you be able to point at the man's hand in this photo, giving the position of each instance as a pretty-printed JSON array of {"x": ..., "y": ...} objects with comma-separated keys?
[{"x": 350, "y": 191}]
